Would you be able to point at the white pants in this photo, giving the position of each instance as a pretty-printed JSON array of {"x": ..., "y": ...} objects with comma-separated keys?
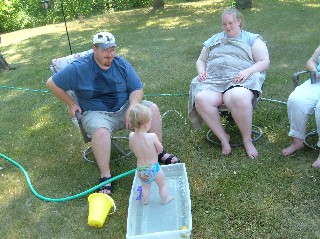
[{"x": 302, "y": 102}]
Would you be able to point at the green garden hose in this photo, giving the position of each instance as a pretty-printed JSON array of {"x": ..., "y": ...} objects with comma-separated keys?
[
  {"x": 82, "y": 193},
  {"x": 65, "y": 198},
  {"x": 99, "y": 185}
]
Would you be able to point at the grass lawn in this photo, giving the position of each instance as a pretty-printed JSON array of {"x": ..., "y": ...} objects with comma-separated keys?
[{"x": 232, "y": 197}]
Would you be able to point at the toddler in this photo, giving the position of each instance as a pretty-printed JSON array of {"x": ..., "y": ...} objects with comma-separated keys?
[{"x": 146, "y": 147}]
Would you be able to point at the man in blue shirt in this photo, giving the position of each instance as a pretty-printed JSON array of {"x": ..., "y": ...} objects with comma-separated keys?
[{"x": 106, "y": 87}]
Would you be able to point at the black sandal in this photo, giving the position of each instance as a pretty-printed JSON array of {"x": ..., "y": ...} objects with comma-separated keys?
[
  {"x": 167, "y": 160},
  {"x": 105, "y": 187}
]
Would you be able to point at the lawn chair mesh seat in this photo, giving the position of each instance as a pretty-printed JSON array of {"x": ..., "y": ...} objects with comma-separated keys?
[
  {"x": 310, "y": 138},
  {"x": 116, "y": 141},
  {"x": 226, "y": 114}
]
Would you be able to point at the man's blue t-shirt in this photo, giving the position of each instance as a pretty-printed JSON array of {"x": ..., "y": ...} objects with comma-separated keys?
[{"x": 97, "y": 89}]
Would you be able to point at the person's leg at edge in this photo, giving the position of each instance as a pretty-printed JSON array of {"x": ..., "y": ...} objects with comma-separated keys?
[
  {"x": 101, "y": 147},
  {"x": 239, "y": 102},
  {"x": 299, "y": 106},
  {"x": 298, "y": 119},
  {"x": 296, "y": 144},
  {"x": 316, "y": 164},
  {"x": 161, "y": 182},
  {"x": 156, "y": 127},
  {"x": 206, "y": 103}
]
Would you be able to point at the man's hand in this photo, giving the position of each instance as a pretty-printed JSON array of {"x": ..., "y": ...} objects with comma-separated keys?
[{"x": 73, "y": 108}]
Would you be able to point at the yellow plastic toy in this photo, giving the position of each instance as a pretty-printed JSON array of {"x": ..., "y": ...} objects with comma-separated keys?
[{"x": 99, "y": 208}]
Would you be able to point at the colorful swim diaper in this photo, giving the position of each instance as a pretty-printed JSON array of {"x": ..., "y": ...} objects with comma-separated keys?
[{"x": 148, "y": 172}]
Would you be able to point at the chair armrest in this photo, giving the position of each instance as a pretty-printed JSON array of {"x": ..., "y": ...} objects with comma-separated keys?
[{"x": 296, "y": 77}]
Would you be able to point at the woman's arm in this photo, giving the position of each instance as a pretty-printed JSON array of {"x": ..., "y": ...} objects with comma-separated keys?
[
  {"x": 260, "y": 56},
  {"x": 312, "y": 63},
  {"x": 201, "y": 64}
]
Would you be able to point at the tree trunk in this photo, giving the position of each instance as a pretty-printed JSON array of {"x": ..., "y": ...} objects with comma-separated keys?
[
  {"x": 158, "y": 4},
  {"x": 243, "y": 4},
  {"x": 4, "y": 64}
]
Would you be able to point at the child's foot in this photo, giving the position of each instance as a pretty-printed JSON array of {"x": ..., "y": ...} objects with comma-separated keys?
[{"x": 167, "y": 199}]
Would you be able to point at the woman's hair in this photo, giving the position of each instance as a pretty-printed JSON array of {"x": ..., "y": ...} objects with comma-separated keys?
[
  {"x": 236, "y": 14},
  {"x": 139, "y": 115}
]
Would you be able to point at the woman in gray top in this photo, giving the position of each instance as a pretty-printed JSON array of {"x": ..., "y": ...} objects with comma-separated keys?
[{"x": 231, "y": 69}]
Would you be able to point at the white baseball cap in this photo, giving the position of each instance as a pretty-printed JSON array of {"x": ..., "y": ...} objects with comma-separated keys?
[{"x": 104, "y": 39}]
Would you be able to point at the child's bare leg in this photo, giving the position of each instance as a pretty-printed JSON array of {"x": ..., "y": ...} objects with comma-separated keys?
[
  {"x": 161, "y": 182},
  {"x": 145, "y": 193},
  {"x": 168, "y": 198}
]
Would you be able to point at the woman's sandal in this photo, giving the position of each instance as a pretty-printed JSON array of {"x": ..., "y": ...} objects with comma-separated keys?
[
  {"x": 105, "y": 187},
  {"x": 167, "y": 160}
]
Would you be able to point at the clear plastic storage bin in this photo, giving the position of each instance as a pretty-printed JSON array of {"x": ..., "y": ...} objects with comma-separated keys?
[{"x": 154, "y": 220}]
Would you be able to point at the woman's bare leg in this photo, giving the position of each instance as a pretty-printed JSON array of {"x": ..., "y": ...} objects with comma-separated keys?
[
  {"x": 239, "y": 102},
  {"x": 207, "y": 107}
]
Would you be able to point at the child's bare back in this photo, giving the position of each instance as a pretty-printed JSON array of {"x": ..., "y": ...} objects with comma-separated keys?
[{"x": 144, "y": 147}]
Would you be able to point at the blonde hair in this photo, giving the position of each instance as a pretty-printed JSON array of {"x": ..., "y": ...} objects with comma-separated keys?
[
  {"x": 139, "y": 115},
  {"x": 236, "y": 14}
]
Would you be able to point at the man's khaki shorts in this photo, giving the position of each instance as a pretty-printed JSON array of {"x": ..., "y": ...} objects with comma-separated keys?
[{"x": 114, "y": 121}]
